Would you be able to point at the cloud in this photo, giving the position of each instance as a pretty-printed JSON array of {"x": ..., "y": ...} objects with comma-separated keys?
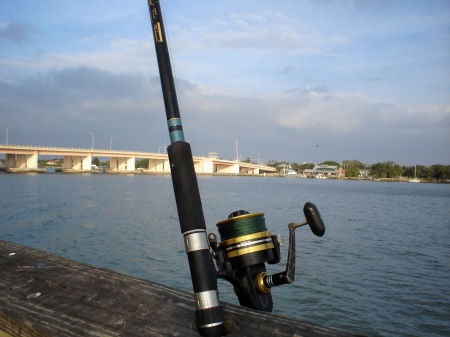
[
  {"x": 353, "y": 112},
  {"x": 366, "y": 83},
  {"x": 288, "y": 125},
  {"x": 266, "y": 31},
  {"x": 280, "y": 126},
  {"x": 119, "y": 56},
  {"x": 64, "y": 105},
  {"x": 15, "y": 32},
  {"x": 341, "y": 113}
]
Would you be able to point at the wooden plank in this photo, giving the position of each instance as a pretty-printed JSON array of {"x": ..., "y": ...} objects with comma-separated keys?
[{"x": 43, "y": 295}]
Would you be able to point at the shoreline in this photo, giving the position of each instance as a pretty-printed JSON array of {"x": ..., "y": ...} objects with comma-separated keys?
[{"x": 52, "y": 170}]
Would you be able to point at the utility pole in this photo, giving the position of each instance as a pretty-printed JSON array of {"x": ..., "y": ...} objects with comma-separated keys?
[
  {"x": 92, "y": 140},
  {"x": 7, "y": 131},
  {"x": 110, "y": 143}
]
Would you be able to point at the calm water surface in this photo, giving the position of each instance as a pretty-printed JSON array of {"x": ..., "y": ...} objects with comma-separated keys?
[{"x": 381, "y": 269}]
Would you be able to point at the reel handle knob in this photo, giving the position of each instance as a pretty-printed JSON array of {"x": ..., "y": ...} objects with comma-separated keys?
[{"x": 314, "y": 219}]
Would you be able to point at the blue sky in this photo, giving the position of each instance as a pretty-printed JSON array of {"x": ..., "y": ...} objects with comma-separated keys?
[{"x": 364, "y": 80}]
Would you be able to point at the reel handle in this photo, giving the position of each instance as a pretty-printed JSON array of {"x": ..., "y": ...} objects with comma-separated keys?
[{"x": 315, "y": 222}]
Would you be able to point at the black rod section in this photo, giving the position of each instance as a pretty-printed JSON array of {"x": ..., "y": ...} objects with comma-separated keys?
[{"x": 190, "y": 212}]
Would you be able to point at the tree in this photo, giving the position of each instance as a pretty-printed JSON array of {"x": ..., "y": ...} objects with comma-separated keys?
[
  {"x": 95, "y": 161},
  {"x": 386, "y": 170},
  {"x": 352, "y": 167},
  {"x": 352, "y": 171},
  {"x": 440, "y": 172},
  {"x": 273, "y": 163},
  {"x": 409, "y": 172},
  {"x": 349, "y": 163},
  {"x": 295, "y": 166},
  {"x": 330, "y": 163},
  {"x": 104, "y": 163},
  {"x": 141, "y": 163}
]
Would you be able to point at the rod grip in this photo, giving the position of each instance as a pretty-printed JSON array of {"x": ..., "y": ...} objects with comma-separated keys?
[
  {"x": 192, "y": 222},
  {"x": 187, "y": 194}
]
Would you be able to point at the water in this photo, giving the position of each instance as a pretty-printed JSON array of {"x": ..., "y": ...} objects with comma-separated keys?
[{"x": 381, "y": 269}]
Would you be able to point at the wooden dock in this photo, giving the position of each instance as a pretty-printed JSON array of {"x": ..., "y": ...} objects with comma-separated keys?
[{"x": 43, "y": 295}]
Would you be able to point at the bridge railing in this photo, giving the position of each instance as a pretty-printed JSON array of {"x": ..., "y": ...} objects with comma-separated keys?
[{"x": 31, "y": 147}]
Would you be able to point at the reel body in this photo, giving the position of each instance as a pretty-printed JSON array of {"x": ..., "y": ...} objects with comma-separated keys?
[{"x": 246, "y": 245}]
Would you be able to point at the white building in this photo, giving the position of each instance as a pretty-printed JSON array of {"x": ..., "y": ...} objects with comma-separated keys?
[{"x": 323, "y": 171}]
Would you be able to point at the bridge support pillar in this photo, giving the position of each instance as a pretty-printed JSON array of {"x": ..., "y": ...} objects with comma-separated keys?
[
  {"x": 247, "y": 170},
  {"x": 76, "y": 163},
  {"x": 153, "y": 165},
  {"x": 68, "y": 162},
  {"x": 159, "y": 165},
  {"x": 131, "y": 164},
  {"x": 225, "y": 169},
  {"x": 86, "y": 163},
  {"x": 166, "y": 166},
  {"x": 21, "y": 161},
  {"x": 32, "y": 160},
  {"x": 10, "y": 160},
  {"x": 121, "y": 164},
  {"x": 206, "y": 166},
  {"x": 113, "y": 165}
]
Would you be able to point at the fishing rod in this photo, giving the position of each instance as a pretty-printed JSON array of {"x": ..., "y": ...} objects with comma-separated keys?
[
  {"x": 245, "y": 246},
  {"x": 190, "y": 212}
]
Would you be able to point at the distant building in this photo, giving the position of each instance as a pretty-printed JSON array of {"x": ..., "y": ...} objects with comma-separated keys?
[
  {"x": 364, "y": 173},
  {"x": 323, "y": 171}
]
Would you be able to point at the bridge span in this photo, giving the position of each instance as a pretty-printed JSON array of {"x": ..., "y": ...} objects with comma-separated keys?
[{"x": 22, "y": 157}]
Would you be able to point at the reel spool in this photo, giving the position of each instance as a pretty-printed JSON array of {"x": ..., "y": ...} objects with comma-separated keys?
[
  {"x": 246, "y": 245},
  {"x": 246, "y": 240}
]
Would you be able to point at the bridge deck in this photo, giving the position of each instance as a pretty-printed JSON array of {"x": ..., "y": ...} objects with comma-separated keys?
[{"x": 26, "y": 157}]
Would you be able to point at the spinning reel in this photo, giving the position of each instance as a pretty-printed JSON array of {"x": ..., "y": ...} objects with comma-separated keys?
[{"x": 246, "y": 245}]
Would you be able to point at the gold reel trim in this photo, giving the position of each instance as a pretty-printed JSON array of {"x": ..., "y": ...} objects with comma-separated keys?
[{"x": 260, "y": 285}]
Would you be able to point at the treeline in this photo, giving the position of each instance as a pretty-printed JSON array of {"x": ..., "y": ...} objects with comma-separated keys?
[
  {"x": 351, "y": 168},
  {"x": 392, "y": 170},
  {"x": 389, "y": 169}
]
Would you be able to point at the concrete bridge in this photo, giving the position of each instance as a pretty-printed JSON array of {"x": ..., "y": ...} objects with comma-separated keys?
[{"x": 21, "y": 157}]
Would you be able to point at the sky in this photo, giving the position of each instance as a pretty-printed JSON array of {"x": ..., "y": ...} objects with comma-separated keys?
[{"x": 293, "y": 80}]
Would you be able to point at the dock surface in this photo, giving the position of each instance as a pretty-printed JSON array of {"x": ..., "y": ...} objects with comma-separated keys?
[{"x": 44, "y": 295}]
